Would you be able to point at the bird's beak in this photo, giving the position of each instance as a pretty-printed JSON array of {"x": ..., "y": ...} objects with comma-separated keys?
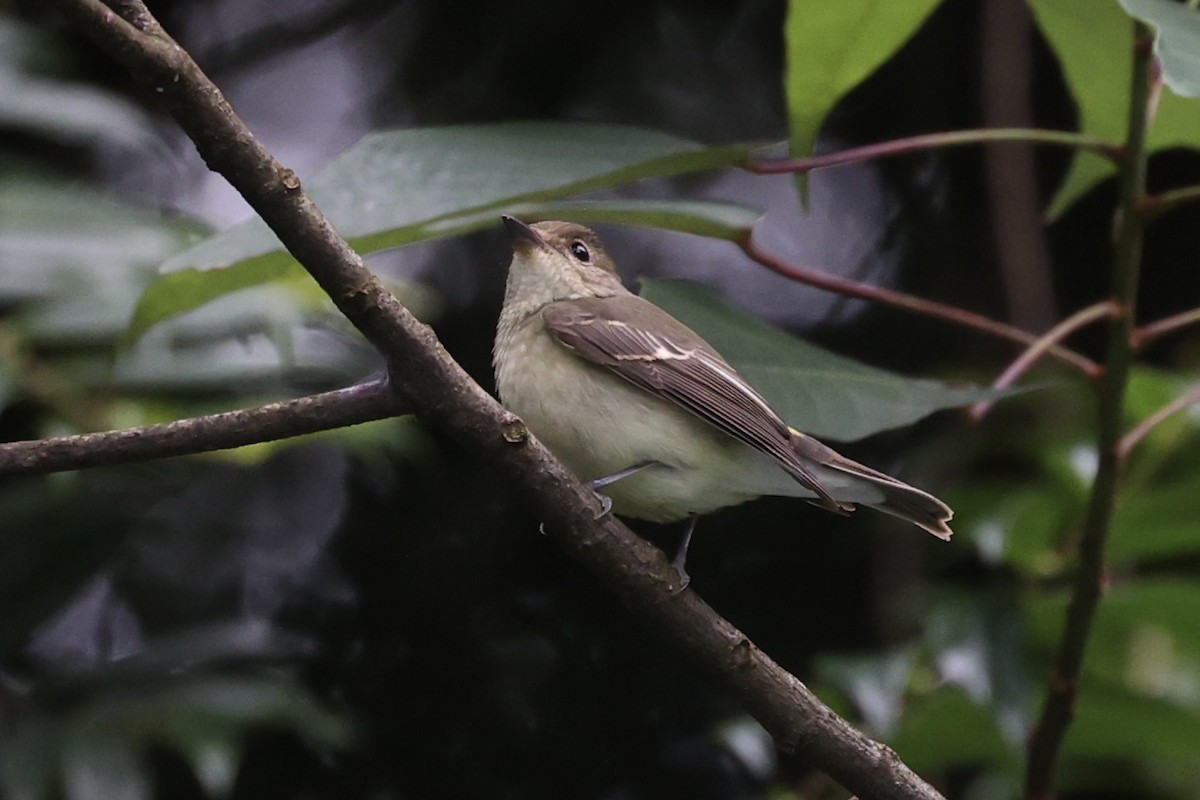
[{"x": 521, "y": 234}]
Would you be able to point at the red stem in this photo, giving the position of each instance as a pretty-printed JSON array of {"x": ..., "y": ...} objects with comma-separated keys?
[{"x": 918, "y": 305}]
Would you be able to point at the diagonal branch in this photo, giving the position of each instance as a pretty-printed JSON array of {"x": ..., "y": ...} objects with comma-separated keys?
[
  {"x": 1081, "y": 318},
  {"x": 908, "y": 302},
  {"x": 1161, "y": 327},
  {"x": 321, "y": 412},
  {"x": 442, "y": 394},
  {"x": 1131, "y": 440},
  {"x": 930, "y": 141}
]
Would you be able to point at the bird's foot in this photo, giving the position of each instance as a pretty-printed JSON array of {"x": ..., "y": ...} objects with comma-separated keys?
[
  {"x": 605, "y": 510},
  {"x": 605, "y": 505},
  {"x": 681, "y": 556}
]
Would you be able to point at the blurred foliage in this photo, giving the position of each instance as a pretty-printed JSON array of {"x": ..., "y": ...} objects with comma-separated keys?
[
  {"x": 1177, "y": 41},
  {"x": 367, "y": 615},
  {"x": 831, "y": 50},
  {"x": 816, "y": 391},
  {"x": 1093, "y": 43}
]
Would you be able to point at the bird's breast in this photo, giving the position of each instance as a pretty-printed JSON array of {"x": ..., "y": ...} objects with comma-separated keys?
[{"x": 599, "y": 424}]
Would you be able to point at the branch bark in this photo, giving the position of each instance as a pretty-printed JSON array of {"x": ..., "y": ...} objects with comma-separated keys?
[
  {"x": 321, "y": 412},
  {"x": 440, "y": 392},
  {"x": 1058, "y": 710}
]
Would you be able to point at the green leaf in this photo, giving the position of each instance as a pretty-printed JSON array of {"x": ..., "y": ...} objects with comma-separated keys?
[
  {"x": 1158, "y": 522},
  {"x": 1177, "y": 124},
  {"x": 398, "y": 187},
  {"x": 932, "y": 733},
  {"x": 1016, "y": 524},
  {"x": 87, "y": 732},
  {"x": 1094, "y": 45},
  {"x": 700, "y": 217},
  {"x": 1112, "y": 723},
  {"x": 816, "y": 391},
  {"x": 1166, "y": 603},
  {"x": 1093, "y": 42},
  {"x": 875, "y": 682},
  {"x": 1143, "y": 634},
  {"x": 833, "y": 47},
  {"x": 1177, "y": 42},
  {"x": 83, "y": 257}
]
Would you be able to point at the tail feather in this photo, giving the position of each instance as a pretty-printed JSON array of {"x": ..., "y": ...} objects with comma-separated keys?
[{"x": 898, "y": 498}]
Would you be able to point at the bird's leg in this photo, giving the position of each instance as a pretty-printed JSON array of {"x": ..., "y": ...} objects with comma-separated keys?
[
  {"x": 681, "y": 554},
  {"x": 600, "y": 483}
]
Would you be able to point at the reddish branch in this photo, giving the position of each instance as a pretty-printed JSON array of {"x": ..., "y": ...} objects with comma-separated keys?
[
  {"x": 914, "y": 144},
  {"x": 919, "y": 305},
  {"x": 1058, "y": 333},
  {"x": 1159, "y": 328},
  {"x": 436, "y": 389},
  {"x": 1130, "y": 440}
]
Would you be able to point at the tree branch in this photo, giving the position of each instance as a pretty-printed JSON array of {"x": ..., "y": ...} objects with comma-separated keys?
[
  {"x": 908, "y": 302},
  {"x": 930, "y": 141},
  {"x": 1154, "y": 206},
  {"x": 321, "y": 412},
  {"x": 1130, "y": 440},
  {"x": 1059, "y": 707},
  {"x": 438, "y": 390},
  {"x": 1086, "y": 316},
  {"x": 1161, "y": 327}
]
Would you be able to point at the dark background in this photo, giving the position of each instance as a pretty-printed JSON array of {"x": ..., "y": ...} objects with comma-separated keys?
[{"x": 415, "y": 597}]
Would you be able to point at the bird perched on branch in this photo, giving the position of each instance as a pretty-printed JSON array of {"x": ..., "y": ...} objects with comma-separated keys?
[{"x": 641, "y": 407}]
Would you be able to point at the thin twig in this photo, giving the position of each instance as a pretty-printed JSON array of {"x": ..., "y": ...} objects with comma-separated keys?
[
  {"x": 1086, "y": 316},
  {"x": 1130, "y": 440},
  {"x": 442, "y": 394},
  {"x": 930, "y": 141},
  {"x": 1154, "y": 206},
  {"x": 918, "y": 305},
  {"x": 1153, "y": 330},
  {"x": 364, "y": 402},
  {"x": 1059, "y": 707}
]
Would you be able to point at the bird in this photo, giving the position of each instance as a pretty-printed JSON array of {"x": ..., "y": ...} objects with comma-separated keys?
[{"x": 646, "y": 411}]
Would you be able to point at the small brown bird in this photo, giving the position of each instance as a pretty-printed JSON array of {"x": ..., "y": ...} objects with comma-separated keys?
[{"x": 637, "y": 403}]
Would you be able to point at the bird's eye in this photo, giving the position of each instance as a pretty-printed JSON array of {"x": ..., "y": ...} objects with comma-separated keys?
[{"x": 580, "y": 251}]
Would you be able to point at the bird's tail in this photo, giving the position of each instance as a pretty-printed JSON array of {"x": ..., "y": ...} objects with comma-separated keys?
[{"x": 851, "y": 482}]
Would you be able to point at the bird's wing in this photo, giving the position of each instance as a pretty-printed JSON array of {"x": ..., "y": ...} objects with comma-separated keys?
[{"x": 654, "y": 351}]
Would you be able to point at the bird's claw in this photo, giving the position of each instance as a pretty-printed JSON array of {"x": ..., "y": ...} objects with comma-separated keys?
[
  {"x": 605, "y": 510},
  {"x": 605, "y": 506},
  {"x": 684, "y": 578}
]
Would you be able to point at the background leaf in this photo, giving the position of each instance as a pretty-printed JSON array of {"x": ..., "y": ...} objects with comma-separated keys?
[
  {"x": 398, "y": 187},
  {"x": 833, "y": 47},
  {"x": 1093, "y": 43},
  {"x": 1177, "y": 41},
  {"x": 816, "y": 391}
]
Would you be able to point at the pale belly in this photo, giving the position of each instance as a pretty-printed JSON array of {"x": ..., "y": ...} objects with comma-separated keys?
[{"x": 598, "y": 424}]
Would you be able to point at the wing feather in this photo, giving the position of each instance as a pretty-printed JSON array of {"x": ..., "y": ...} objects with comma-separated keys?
[{"x": 654, "y": 351}]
